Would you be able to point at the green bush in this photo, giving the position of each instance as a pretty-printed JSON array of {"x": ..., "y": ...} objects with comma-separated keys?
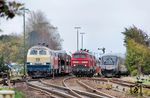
[
  {"x": 19, "y": 94},
  {"x": 134, "y": 72}
]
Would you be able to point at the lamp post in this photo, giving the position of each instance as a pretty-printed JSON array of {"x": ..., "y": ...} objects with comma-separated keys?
[
  {"x": 24, "y": 53},
  {"x": 24, "y": 42},
  {"x": 77, "y": 37},
  {"x": 82, "y": 39}
]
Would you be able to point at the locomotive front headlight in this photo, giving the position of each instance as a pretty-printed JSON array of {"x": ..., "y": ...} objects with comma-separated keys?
[
  {"x": 28, "y": 63},
  {"x": 85, "y": 65},
  {"x": 84, "y": 61},
  {"x": 75, "y": 62},
  {"x": 74, "y": 65}
]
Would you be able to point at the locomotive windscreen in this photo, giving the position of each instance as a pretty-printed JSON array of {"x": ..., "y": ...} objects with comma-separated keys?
[
  {"x": 33, "y": 52},
  {"x": 42, "y": 52},
  {"x": 80, "y": 55},
  {"x": 109, "y": 60}
]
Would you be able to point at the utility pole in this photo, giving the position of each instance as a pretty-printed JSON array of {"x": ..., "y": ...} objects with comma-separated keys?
[
  {"x": 82, "y": 39},
  {"x": 77, "y": 37}
]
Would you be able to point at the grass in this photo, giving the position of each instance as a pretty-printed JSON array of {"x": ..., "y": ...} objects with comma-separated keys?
[
  {"x": 147, "y": 82},
  {"x": 18, "y": 94},
  {"x": 143, "y": 80}
]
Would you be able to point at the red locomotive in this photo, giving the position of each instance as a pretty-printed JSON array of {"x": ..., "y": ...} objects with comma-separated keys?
[{"x": 83, "y": 63}]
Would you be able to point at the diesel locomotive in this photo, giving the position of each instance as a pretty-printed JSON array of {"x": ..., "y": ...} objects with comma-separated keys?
[{"x": 83, "y": 63}]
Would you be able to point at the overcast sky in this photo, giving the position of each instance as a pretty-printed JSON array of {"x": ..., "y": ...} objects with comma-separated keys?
[{"x": 101, "y": 20}]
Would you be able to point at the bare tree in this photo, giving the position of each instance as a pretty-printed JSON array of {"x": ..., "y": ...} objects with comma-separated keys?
[{"x": 40, "y": 31}]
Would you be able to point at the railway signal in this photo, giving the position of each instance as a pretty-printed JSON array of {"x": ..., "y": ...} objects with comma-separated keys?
[
  {"x": 137, "y": 88},
  {"x": 103, "y": 49}
]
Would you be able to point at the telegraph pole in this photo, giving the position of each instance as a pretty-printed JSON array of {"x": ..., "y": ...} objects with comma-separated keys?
[
  {"x": 82, "y": 39},
  {"x": 77, "y": 37}
]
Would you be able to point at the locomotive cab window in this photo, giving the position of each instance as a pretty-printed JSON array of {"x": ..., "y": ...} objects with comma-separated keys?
[
  {"x": 79, "y": 55},
  {"x": 76, "y": 55},
  {"x": 33, "y": 52},
  {"x": 83, "y": 55},
  {"x": 42, "y": 52}
]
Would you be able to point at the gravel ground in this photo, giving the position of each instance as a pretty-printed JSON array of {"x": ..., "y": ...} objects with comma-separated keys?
[
  {"x": 72, "y": 83},
  {"x": 30, "y": 93},
  {"x": 56, "y": 81}
]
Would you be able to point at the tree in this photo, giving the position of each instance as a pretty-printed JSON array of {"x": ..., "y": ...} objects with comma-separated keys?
[
  {"x": 9, "y": 9},
  {"x": 40, "y": 31},
  {"x": 136, "y": 34},
  {"x": 3, "y": 67},
  {"x": 138, "y": 53},
  {"x": 11, "y": 47}
]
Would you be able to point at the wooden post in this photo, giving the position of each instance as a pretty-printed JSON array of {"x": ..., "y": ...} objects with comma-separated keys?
[{"x": 53, "y": 74}]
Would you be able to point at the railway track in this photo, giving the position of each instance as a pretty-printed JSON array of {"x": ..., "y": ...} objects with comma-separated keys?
[
  {"x": 120, "y": 85},
  {"x": 59, "y": 92},
  {"x": 76, "y": 93},
  {"x": 78, "y": 84},
  {"x": 119, "y": 81},
  {"x": 127, "y": 83},
  {"x": 78, "y": 87}
]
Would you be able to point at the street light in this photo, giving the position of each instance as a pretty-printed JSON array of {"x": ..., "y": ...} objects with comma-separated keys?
[
  {"x": 82, "y": 39},
  {"x": 77, "y": 37},
  {"x": 24, "y": 11}
]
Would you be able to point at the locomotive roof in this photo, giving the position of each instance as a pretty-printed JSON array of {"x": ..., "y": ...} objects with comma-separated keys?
[
  {"x": 39, "y": 46},
  {"x": 85, "y": 52},
  {"x": 44, "y": 47},
  {"x": 60, "y": 51},
  {"x": 114, "y": 54}
]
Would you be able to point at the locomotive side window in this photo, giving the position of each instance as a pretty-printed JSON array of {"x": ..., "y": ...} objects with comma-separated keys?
[
  {"x": 90, "y": 56},
  {"x": 42, "y": 52},
  {"x": 33, "y": 52}
]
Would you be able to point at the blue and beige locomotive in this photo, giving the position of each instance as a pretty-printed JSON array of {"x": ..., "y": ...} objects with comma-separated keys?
[
  {"x": 113, "y": 65},
  {"x": 38, "y": 61},
  {"x": 44, "y": 62}
]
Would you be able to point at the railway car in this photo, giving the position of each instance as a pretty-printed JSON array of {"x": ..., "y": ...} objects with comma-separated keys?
[
  {"x": 113, "y": 66},
  {"x": 38, "y": 61},
  {"x": 44, "y": 62},
  {"x": 64, "y": 63},
  {"x": 83, "y": 63}
]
